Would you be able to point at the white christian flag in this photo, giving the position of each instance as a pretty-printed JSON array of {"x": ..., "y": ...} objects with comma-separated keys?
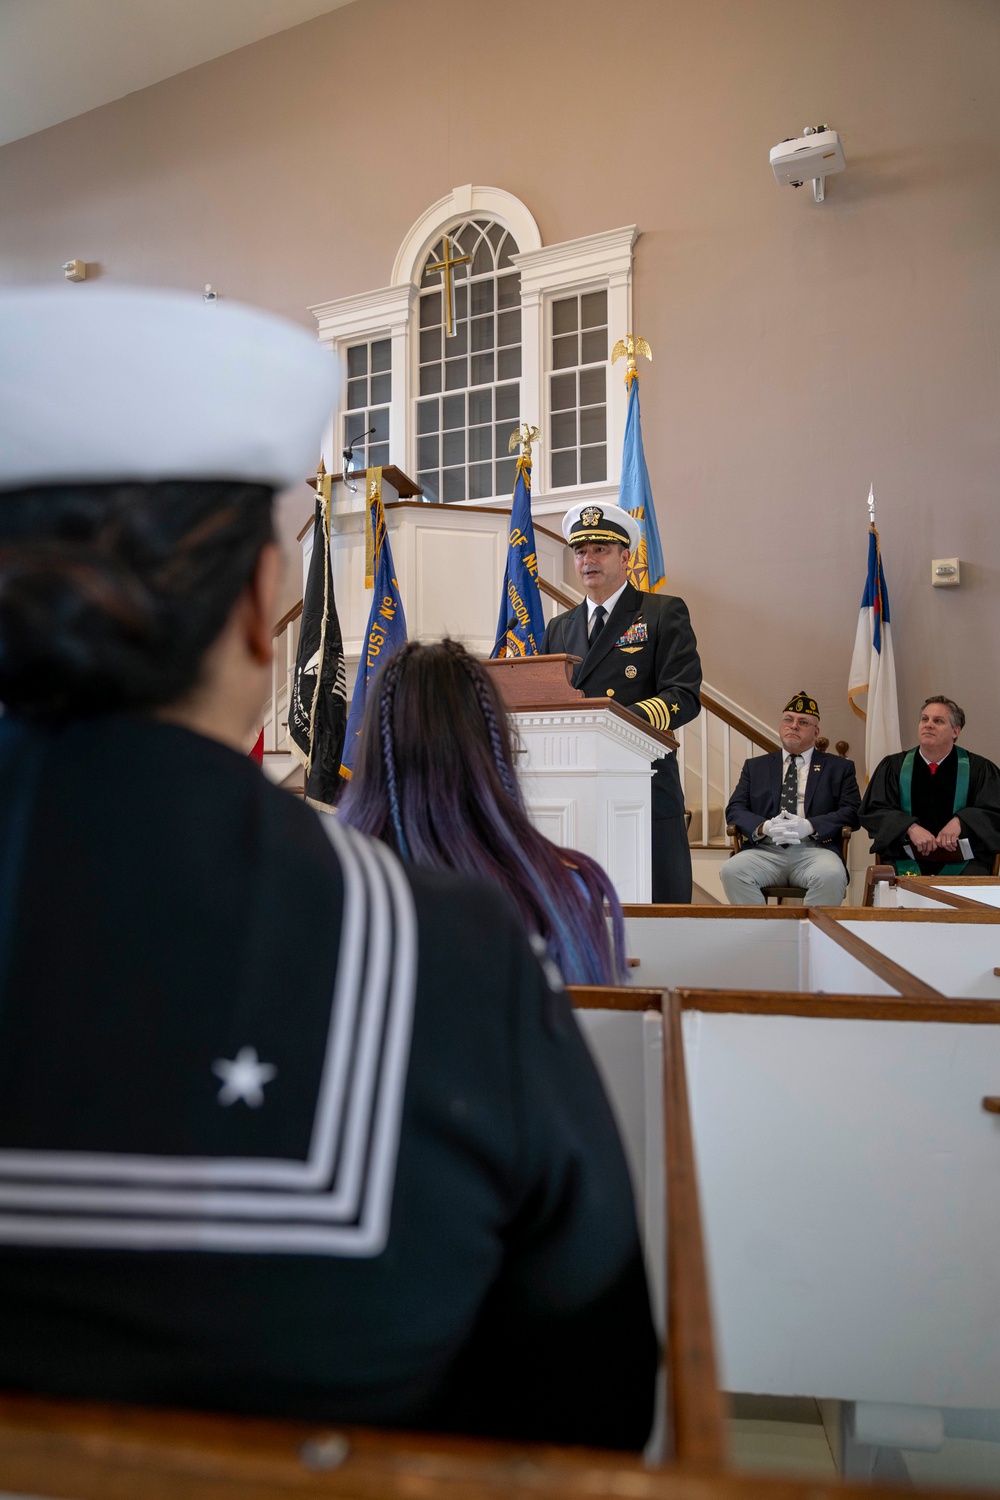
[{"x": 873, "y": 670}]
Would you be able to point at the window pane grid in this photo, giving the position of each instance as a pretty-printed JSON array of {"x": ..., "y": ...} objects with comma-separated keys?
[
  {"x": 469, "y": 393},
  {"x": 369, "y": 392},
  {"x": 578, "y": 389}
]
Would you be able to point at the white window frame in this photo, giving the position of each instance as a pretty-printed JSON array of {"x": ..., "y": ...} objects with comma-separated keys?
[{"x": 596, "y": 262}]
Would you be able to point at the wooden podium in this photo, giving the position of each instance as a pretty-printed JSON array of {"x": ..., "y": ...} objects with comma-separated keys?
[{"x": 585, "y": 766}]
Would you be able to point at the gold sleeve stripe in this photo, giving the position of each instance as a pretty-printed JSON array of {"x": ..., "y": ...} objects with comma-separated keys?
[{"x": 655, "y": 711}]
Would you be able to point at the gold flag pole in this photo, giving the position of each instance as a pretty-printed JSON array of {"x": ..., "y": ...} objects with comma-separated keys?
[
  {"x": 373, "y": 542},
  {"x": 630, "y": 347},
  {"x": 523, "y": 437}
]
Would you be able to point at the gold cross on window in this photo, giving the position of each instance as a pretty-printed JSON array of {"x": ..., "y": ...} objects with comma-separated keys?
[{"x": 449, "y": 283}]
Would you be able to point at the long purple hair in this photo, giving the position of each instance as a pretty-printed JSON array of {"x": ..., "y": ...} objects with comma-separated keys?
[{"x": 434, "y": 779}]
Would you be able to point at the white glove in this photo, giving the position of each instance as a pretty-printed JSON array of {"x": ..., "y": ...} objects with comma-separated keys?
[
  {"x": 775, "y": 826},
  {"x": 800, "y": 827}
]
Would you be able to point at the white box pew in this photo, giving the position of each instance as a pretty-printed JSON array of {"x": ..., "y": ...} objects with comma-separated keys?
[
  {"x": 641, "y": 1062},
  {"x": 969, "y": 893},
  {"x": 758, "y": 948},
  {"x": 956, "y": 952},
  {"x": 850, "y": 1185}
]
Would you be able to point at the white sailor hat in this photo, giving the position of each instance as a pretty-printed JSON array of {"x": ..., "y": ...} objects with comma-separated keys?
[
  {"x": 118, "y": 384},
  {"x": 600, "y": 523}
]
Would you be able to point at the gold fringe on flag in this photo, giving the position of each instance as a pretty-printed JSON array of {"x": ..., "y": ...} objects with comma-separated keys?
[{"x": 373, "y": 537}]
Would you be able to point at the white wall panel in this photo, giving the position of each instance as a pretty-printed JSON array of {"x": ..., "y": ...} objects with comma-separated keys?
[
  {"x": 832, "y": 970},
  {"x": 850, "y": 1186},
  {"x": 955, "y": 959},
  {"x": 714, "y": 953},
  {"x": 456, "y": 583}
]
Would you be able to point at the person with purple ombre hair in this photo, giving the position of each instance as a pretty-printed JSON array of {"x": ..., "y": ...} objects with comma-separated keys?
[{"x": 435, "y": 780}]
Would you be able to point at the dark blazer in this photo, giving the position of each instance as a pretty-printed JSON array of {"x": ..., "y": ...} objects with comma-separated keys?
[
  {"x": 664, "y": 689},
  {"x": 832, "y": 797}
]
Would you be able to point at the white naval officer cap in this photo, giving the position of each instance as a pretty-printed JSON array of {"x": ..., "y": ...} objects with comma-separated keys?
[
  {"x": 129, "y": 384},
  {"x": 600, "y": 523}
]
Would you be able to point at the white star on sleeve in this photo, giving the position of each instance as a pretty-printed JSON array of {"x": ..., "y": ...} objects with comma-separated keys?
[{"x": 243, "y": 1078}]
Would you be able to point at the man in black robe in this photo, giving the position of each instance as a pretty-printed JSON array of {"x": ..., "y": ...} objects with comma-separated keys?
[
  {"x": 285, "y": 1126},
  {"x": 922, "y": 804}
]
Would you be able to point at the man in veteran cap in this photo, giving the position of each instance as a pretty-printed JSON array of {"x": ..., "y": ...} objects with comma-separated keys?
[
  {"x": 640, "y": 650},
  {"x": 790, "y": 807}
]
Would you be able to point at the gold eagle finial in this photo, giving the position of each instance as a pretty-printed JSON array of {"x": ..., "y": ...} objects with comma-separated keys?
[
  {"x": 630, "y": 347},
  {"x": 523, "y": 437}
]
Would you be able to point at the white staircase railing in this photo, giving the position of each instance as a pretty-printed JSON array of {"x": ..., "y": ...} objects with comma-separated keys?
[
  {"x": 711, "y": 750},
  {"x": 286, "y": 642}
]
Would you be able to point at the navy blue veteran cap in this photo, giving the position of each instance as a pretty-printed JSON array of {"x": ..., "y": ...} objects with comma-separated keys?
[
  {"x": 801, "y": 703},
  {"x": 600, "y": 523}
]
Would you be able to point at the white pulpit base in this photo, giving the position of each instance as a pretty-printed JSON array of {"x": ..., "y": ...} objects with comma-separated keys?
[{"x": 586, "y": 774}]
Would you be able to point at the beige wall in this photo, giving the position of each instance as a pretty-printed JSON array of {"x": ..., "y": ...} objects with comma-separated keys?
[{"x": 799, "y": 350}]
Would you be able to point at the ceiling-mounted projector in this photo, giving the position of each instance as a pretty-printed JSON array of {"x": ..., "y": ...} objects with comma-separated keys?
[{"x": 816, "y": 153}]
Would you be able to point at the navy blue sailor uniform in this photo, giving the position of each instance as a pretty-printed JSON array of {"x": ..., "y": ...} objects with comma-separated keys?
[
  {"x": 646, "y": 659},
  {"x": 287, "y": 1127}
]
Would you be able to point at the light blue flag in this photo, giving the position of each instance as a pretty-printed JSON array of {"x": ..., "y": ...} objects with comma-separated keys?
[
  {"x": 646, "y": 570},
  {"x": 521, "y": 624},
  {"x": 386, "y": 621}
]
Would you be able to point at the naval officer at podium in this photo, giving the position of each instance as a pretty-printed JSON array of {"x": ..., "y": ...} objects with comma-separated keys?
[{"x": 640, "y": 650}]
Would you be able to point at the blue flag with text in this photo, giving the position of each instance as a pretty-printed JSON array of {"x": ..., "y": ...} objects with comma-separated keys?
[
  {"x": 386, "y": 621},
  {"x": 521, "y": 624},
  {"x": 635, "y": 495}
]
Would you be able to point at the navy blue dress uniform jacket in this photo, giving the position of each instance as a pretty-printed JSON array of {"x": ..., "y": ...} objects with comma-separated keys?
[
  {"x": 832, "y": 798},
  {"x": 651, "y": 633},
  {"x": 165, "y": 910}
]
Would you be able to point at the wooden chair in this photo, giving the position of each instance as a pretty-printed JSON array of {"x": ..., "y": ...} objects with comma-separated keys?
[{"x": 779, "y": 892}]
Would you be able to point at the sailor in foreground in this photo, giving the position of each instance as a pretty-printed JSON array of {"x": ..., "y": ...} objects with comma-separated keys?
[
  {"x": 790, "y": 806},
  {"x": 640, "y": 650},
  {"x": 935, "y": 809},
  {"x": 285, "y": 1126}
]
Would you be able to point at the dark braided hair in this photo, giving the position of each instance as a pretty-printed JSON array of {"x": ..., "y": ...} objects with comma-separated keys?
[
  {"x": 499, "y": 739},
  {"x": 110, "y": 594},
  {"x": 435, "y": 779},
  {"x": 386, "y": 696}
]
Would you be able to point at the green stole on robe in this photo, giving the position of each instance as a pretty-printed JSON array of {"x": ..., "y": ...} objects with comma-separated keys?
[{"x": 910, "y": 866}]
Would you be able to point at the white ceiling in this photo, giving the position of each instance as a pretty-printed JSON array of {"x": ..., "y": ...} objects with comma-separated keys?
[{"x": 59, "y": 58}]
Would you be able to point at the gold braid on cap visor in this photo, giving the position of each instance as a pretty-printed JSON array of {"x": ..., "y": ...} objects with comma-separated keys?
[{"x": 591, "y": 535}]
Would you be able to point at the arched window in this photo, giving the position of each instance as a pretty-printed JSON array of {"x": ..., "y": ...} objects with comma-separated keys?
[
  {"x": 469, "y": 365},
  {"x": 531, "y": 334}
]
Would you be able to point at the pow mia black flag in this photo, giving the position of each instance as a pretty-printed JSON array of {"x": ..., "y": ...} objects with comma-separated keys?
[{"x": 317, "y": 710}]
